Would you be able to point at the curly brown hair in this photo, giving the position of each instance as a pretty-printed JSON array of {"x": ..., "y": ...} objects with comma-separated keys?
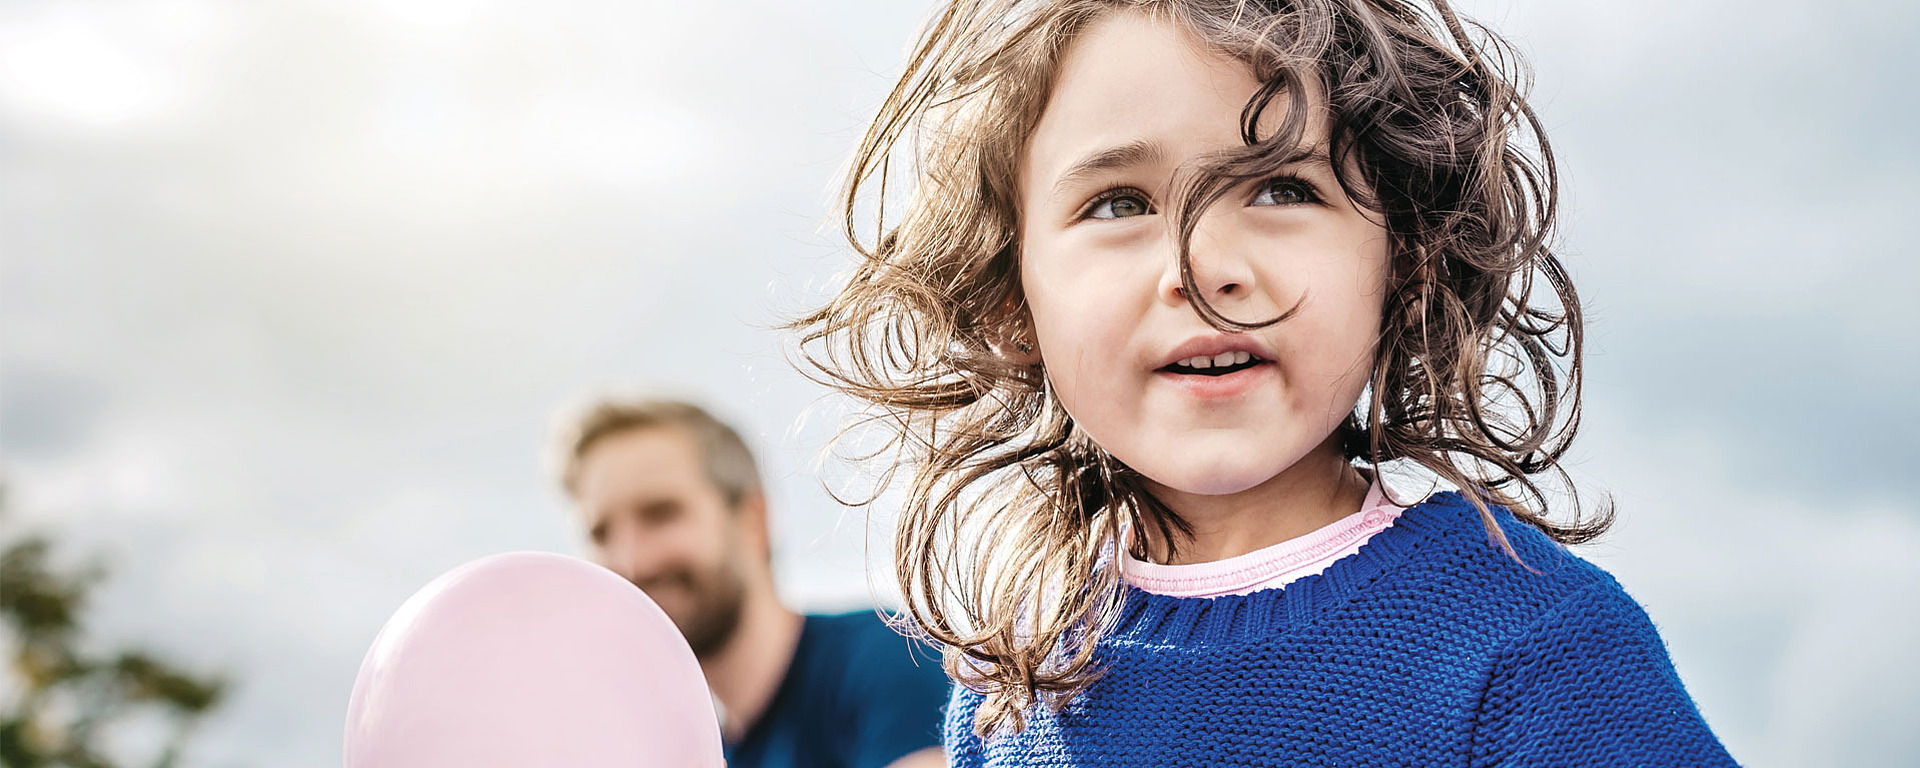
[{"x": 1010, "y": 507}]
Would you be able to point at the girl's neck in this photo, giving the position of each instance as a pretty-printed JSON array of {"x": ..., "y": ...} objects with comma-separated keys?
[{"x": 1319, "y": 489}]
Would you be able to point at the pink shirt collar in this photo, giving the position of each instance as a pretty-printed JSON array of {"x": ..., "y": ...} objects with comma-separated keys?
[{"x": 1268, "y": 567}]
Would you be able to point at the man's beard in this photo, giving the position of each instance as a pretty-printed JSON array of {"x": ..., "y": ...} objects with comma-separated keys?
[{"x": 717, "y": 596}]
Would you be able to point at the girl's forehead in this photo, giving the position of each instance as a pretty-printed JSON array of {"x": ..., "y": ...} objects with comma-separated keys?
[{"x": 1136, "y": 90}]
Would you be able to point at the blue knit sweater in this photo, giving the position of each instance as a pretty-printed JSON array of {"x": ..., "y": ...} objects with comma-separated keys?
[{"x": 1428, "y": 647}]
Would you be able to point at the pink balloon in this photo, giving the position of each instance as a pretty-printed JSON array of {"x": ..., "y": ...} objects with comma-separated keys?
[{"x": 530, "y": 659}]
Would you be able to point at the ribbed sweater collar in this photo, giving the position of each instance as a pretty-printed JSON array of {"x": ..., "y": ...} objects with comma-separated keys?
[{"x": 1161, "y": 620}]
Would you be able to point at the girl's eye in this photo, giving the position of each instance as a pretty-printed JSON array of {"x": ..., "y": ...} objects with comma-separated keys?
[
  {"x": 1285, "y": 190},
  {"x": 1118, "y": 204}
]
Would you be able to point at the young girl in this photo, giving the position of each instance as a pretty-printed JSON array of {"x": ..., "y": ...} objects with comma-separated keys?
[{"x": 1175, "y": 279}]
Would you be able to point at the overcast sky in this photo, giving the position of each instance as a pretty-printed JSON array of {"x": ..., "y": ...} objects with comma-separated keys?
[{"x": 290, "y": 291}]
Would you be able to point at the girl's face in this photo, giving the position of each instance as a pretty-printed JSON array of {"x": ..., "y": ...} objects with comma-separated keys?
[{"x": 1196, "y": 410}]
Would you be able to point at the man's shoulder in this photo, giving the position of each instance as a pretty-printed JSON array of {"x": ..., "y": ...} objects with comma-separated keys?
[
  {"x": 860, "y": 622},
  {"x": 892, "y": 683},
  {"x": 869, "y": 636}
]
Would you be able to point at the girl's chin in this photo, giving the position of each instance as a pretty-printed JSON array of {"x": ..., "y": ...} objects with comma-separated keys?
[{"x": 1208, "y": 481}]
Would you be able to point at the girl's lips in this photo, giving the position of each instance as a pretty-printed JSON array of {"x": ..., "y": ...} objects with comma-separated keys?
[{"x": 1217, "y": 387}]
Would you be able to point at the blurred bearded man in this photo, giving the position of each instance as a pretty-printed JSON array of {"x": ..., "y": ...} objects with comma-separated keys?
[{"x": 671, "y": 499}]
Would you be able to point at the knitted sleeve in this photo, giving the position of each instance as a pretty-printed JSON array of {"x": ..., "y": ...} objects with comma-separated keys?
[
  {"x": 1590, "y": 684},
  {"x": 963, "y": 748}
]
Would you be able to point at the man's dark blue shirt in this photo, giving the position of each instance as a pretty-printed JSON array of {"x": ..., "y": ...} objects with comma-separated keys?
[{"x": 857, "y": 695}]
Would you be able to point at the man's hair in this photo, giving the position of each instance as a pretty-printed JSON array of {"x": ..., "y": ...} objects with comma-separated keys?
[{"x": 729, "y": 464}]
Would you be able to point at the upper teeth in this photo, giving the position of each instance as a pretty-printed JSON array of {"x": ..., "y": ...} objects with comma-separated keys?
[{"x": 1223, "y": 359}]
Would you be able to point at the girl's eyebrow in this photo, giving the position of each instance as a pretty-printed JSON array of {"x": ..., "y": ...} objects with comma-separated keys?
[
  {"x": 1314, "y": 157},
  {"x": 1146, "y": 152},
  {"x": 1132, "y": 153}
]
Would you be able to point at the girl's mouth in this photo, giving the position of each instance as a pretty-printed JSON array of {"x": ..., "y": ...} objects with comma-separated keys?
[
  {"x": 1224, "y": 376},
  {"x": 1217, "y": 365}
]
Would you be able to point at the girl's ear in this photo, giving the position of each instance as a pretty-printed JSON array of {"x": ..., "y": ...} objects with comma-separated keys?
[{"x": 1016, "y": 342}]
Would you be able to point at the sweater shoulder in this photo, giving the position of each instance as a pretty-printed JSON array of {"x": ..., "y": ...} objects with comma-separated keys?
[{"x": 1516, "y": 586}]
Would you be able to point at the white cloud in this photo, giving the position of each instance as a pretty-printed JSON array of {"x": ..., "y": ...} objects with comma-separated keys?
[{"x": 106, "y": 67}]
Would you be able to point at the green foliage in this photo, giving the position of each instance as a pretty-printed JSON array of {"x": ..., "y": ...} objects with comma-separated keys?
[{"x": 62, "y": 698}]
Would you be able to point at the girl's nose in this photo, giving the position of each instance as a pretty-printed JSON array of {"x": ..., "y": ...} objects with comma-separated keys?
[{"x": 1221, "y": 273}]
